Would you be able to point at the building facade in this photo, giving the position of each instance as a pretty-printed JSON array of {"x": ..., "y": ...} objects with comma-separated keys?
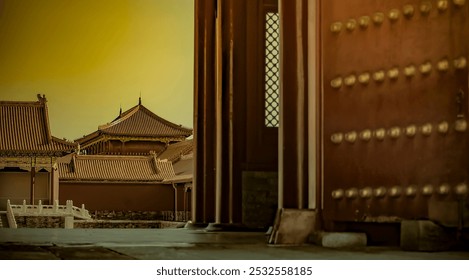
[
  {"x": 139, "y": 162},
  {"x": 136, "y": 131},
  {"x": 134, "y": 184},
  {"x": 29, "y": 153}
]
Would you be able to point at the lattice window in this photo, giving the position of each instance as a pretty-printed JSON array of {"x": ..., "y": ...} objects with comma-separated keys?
[{"x": 272, "y": 67}]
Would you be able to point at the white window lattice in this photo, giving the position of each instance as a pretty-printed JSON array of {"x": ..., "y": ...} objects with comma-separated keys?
[{"x": 272, "y": 67}]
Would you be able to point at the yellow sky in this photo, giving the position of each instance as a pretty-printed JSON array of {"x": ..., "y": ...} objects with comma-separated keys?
[{"x": 90, "y": 57}]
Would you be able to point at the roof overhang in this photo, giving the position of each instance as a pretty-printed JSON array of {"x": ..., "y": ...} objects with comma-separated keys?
[
  {"x": 68, "y": 181},
  {"x": 179, "y": 179}
]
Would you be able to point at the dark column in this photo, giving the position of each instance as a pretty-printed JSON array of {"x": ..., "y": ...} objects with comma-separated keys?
[
  {"x": 232, "y": 66},
  {"x": 55, "y": 185},
  {"x": 229, "y": 68},
  {"x": 203, "y": 209},
  {"x": 293, "y": 132},
  {"x": 33, "y": 185},
  {"x": 234, "y": 106},
  {"x": 50, "y": 185}
]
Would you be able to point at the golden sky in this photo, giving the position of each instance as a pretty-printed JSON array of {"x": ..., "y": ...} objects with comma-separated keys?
[{"x": 90, "y": 57}]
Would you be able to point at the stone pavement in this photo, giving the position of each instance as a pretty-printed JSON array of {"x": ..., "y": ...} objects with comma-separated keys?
[{"x": 180, "y": 244}]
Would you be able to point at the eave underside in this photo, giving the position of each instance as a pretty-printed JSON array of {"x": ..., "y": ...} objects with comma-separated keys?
[
  {"x": 28, "y": 162},
  {"x": 106, "y": 138}
]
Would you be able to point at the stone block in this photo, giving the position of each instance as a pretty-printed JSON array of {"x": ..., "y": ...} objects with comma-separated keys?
[
  {"x": 293, "y": 226},
  {"x": 69, "y": 222},
  {"x": 195, "y": 226},
  {"x": 423, "y": 235},
  {"x": 448, "y": 213},
  {"x": 339, "y": 239}
]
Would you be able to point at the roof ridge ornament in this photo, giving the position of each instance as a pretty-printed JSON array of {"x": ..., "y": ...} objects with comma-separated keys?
[{"x": 42, "y": 99}]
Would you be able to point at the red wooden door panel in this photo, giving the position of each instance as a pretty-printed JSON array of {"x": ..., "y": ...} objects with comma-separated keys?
[{"x": 395, "y": 105}]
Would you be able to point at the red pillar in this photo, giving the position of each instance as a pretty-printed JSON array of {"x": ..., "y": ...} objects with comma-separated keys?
[
  {"x": 293, "y": 132},
  {"x": 33, "y": 185},
  {"x": 230, "y": 64},
  {"x": 203, "y": 198}
]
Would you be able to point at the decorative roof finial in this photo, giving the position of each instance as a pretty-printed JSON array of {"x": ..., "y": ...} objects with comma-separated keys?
[
  {"x": 120, "y": 111},
  {"x": 42, "y": 98},
  {"x": 140, "y": 99}
]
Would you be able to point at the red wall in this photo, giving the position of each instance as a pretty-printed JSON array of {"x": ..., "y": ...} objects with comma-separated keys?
[{"x": 135, "y": 197}]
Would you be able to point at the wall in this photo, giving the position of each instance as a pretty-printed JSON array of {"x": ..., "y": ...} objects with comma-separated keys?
[
  {"x": 114, "y": 196},
  {"x": 59, "y": 222},
  {"x": 16, "y": 187},
  {"x": 126, "y": 224},
  {"x": 40, "y": 222},
  {"x": 260, "y": 195}
]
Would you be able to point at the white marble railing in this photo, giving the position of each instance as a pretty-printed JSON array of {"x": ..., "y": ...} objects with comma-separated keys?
[
  {"x": 11, "y": 216},
  {"x": 51, "y": 210},
  {"x": 181, "y": 216}
]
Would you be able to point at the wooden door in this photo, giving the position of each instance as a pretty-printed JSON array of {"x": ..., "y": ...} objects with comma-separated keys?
[{"x": 395, "y": 106}]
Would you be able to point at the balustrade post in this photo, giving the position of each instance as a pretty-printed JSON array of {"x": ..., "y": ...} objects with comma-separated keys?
[
  {"x": 83, "y": 210},
  {"x": 69, "y": 214},
  {"x": 69, "y": 206},
  {"x": 39, "y": 207},
  {"x": 11, "y": 216}
]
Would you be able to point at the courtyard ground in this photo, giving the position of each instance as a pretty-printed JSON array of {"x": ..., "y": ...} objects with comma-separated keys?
[{"x": 181, "y": 244}]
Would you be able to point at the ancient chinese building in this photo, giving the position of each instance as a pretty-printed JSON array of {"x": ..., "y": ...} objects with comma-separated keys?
[
  {"x": 136, "y": 131},
  {"x": 181, "y": 155},
  {"x": 127, "y": 165},
  {"x": 105, "y": 183},
  {"x": 28, "y": 153}
]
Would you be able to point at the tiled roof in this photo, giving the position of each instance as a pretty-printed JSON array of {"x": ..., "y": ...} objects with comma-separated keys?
[
  {"x": 140, "y": 122},
  {"x": 174, "y": 165},
  {"x": 184, "y": 166},
  {"x": 183, "y": 170},
  {"x": 165, "y": 168},
  {"x": 174, "y": 151},
  {"x": 24, "y": 129},
  {"x": 114, "y": 168}
]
